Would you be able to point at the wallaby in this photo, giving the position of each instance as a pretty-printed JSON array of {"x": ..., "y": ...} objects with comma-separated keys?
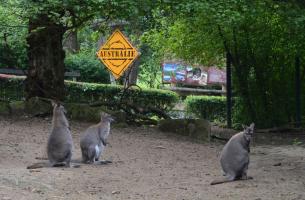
[
  {"x": 94, "y": 139},
  {"x": 60, "y": 141},
  {"x": 234, "y": 158}
]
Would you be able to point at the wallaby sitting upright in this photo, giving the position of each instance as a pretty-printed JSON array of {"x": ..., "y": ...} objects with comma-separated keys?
[
  {"x": 94, "y": 139},
  {"x": 60, "y": 141},
  {"x": 234, "y": 157}
]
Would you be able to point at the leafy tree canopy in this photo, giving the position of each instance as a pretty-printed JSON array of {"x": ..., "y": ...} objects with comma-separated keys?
[{"x": 263, "y": 38}]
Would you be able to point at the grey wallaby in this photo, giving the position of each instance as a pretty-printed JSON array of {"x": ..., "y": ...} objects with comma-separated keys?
[
  {"x": 234, "y": 158},
  {"x": 94, "y": 139},
  {"x": 60, "y": 141}
]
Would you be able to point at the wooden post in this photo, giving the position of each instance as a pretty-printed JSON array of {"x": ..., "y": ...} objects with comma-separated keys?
[
  {"x": 229, "y": 91},
  {"x": 116, "y": 25},
  {"x": 297, "y": 91}
]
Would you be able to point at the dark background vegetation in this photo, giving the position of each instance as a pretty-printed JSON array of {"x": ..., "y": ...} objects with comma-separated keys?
[{"x": 263, "y": 37}]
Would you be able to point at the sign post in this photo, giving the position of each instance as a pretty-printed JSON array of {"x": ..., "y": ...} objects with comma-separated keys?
[
  {"x": 117, "y": 53},
  {"x": 298, "y": 91},
  {"x": 229, "y": 92}
]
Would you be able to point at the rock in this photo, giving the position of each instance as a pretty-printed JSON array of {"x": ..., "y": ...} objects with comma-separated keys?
[
  {"x": 83, "y": 112},
  {"x": 17, "y": 107},
  {"x": 38, "y": 107},
  {"x": 160, "y": 147},
  {"x": 119, "y": 116},
  {"x": 5, "y": 108},
  {"x": 196, "y": 128},
  {"x": 87, "y": 113},
  {"x": 277, "y": 164},
  {"x": 115, "y": 192}
]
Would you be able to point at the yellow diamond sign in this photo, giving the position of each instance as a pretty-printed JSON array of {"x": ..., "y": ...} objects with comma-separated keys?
[{"x": 117, "y": 53}]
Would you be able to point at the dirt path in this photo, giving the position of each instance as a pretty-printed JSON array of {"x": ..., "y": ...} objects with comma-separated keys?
[{"x": 146, "y": 165}]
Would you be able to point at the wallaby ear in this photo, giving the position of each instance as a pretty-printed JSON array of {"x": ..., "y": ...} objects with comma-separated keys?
[
  {"x": 64, "y": 110},
  {"x": 54, "y": 103},
  {"x": 102, "y": 114},
  {"x": 111, "y": 118},
  {"x": 243, "y": 126},
  {"x": 248, "y": 136},
  {"x": 252, "y": 126}
]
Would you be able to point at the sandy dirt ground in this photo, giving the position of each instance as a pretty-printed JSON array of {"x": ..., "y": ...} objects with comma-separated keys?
[{"x": 146, "y": 165}]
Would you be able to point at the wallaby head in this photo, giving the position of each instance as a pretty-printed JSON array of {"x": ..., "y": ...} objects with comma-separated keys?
[
  {"x": 105, "y": 117},
  {"x": 59, "y": 117},
  {"x": 106, "y": 120},
  {"x": 248, "y": 131},
  {"x": 58, "y": 108}
]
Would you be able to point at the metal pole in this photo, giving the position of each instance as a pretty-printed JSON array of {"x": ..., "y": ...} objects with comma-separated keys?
[
  {"x": 297, "y": 91},
  {"x": 229, "y": 92}
]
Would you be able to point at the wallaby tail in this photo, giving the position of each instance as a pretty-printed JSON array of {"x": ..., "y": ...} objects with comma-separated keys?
[
  {"x": 226, "y": 180},
  {"x": 37, "y": 165},
  {"x": 220, "y": 181}
]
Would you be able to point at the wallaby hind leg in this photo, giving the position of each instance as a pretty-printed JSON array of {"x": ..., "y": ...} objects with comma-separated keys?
[
  {"x": 244, "y": 175},
  {"x": 90, "y": 155},
  {"x": 68, "y": 159},
  {"x": 84, "y": 155}
]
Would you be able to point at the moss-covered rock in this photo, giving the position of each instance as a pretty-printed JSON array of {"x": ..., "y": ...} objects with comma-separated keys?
[
  {"x": 91, "y": 114},
  {"x": 84, "y": 112},
  {"x": 42, "y": 107},
  {"x": 36, "y": 106},
  {"x": 5, "y": 108},
  {"x": 17, "y": 107},
  {"x": 196, "y": 128}
]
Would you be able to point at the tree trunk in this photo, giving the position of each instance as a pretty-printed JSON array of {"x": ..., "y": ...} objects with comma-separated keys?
[
  {"x": 71, "y": 42},
  {"x": 46, "y": 59},
  {"x": 132, "y": 73}
]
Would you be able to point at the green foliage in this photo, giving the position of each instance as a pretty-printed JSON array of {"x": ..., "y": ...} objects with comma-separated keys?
[
  {"x": 11, "y": 88},
  {"x": 90, "y": 68},
  {"x": 263, "y": 38},
  {"x": 296, "y": 142},
  {"x": 78, "y": 92},
  {"x": 207, "y": 107},
  {"x": 12, "y": 40},
  {"x": 239, "y": 116},
  {"x": 89, "y": 92},
  {"x": 150, "y": 74}
]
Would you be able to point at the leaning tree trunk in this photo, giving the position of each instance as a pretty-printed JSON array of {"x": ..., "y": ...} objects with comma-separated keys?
[
  {"x": 131, "y": 75},
  {"x": 46, "y": 59},
  {"x": 71, "y": 42}
]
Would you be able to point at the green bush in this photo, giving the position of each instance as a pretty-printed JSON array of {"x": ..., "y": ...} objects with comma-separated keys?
[
  {"x": 212, "y": 108},
  {"x": 78, "y": 92},
  {"x": 11, "y": 88},
  {"x": 239, "y": 114},
  {"x": 90, "y": 92},
  {"x": 90, "y": 68}
]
